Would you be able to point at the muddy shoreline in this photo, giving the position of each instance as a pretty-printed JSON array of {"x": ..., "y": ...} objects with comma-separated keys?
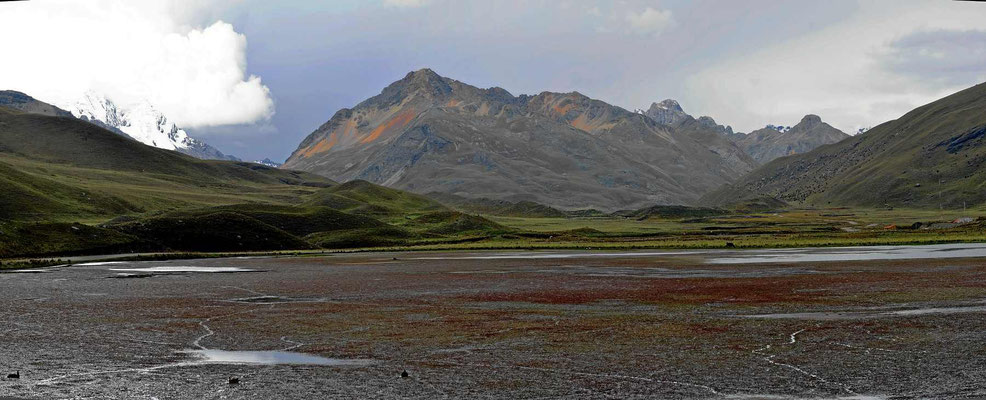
[{"x": 623, "y": 325}]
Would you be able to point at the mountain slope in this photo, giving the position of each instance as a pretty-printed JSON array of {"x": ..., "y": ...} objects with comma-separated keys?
[
  {"x": 143, "y": 123},
  {"x": 22, "y": 102},
  {"x": 717, "y": 138},
  {"x": 769, "y": 143},
  {"x": 898, "y": 163},
  {"x": 71, "y": 187},
  {"x": 426, "y": 133},
  {"x": 56, "y": 168}
]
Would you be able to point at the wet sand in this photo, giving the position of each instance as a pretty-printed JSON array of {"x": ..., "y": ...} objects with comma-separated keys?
[{"x": 793, "y": 323}]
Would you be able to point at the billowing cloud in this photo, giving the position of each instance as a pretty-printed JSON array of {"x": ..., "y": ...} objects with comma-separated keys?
[
  {"x": 649, "y": 21},
  {"x": 872, "y": 67},
  {"x": 133, "y": 51}
]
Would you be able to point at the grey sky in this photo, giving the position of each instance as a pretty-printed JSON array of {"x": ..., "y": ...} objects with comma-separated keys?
[{"x": 745, "y": 63}]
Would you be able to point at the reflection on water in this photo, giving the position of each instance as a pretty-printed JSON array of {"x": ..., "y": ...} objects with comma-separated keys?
[{"x": 272, "y": 358}]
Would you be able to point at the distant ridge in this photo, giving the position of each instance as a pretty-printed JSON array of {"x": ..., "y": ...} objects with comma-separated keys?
[{"x": 770, "y": 142}]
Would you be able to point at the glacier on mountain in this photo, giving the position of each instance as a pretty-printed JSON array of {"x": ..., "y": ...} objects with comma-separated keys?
[{"x": 142, "y": 122}]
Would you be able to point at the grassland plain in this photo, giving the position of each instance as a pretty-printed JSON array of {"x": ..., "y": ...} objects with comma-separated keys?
[{"x": 323, "y": 230}]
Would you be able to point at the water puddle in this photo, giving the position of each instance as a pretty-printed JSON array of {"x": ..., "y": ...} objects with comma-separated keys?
[
  {"x": 868, "y": 253},
  {"x": 641, "y": 272},
  {"x": 847, "y": 315},
  {"x": 184, "y": 269},
  {"x": 787, "y": 397},
  {"x": 92, "y": 264},
  {"x": 275, "y": 300},
  {"x": 273, "y": 358},
  {"x": 532, "y": 256}
]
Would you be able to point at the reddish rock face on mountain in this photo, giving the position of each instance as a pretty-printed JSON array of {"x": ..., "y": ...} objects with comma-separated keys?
[{"x": 427, "y": 133}]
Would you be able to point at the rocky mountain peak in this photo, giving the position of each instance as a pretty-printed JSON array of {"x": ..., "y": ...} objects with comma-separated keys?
[
  {"x": 428, "y": 80},
  {"x": 775, "y": 141},
  {"x": 668, "y": 104},
  {"x": 810, "y": 121},
  {"x": 667, "y": 112}
]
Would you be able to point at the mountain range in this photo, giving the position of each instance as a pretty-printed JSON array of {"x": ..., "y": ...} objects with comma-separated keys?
[
  {"x": 486, "y": 149},
  {"x": 762, "y": 145},
  {"x": 426, "y": 133}
]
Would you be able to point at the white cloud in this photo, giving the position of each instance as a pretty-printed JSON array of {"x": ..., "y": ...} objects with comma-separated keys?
[
  {"x": 649, "y": 21},
  {"x": 868, "y": 69},
  {"x": 406, "y": 3},
  {"x": 132, "y": 51}
]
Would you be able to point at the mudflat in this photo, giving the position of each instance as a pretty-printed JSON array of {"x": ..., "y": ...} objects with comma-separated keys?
[{"x": 881, "y": 322}]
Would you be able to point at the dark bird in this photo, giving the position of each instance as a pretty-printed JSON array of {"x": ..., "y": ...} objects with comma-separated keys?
[
  {"x": 404, "y": 374},
  {"x": 234, "y": 381},
  {"x": 15, "y": 375},
  {"x": 730, "y": 244}
]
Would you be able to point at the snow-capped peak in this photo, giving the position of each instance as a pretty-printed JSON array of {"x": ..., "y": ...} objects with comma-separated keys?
[
  {"x": 779, "y": 128},
  {"x": 268, "y": 163},
  {"x": 141, "y": 121}
]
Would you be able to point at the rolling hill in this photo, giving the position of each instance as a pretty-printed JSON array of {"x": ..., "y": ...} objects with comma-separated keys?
[
  {"x": 72, "y": 187},
  {"x": 932, "y": 156}
]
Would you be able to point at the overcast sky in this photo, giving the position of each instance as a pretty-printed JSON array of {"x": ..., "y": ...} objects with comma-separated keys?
[{"x": 254, "y": 77}]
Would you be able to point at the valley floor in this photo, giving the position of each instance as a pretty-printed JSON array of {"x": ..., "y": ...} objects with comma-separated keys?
[{"x": 885, "y": 322}]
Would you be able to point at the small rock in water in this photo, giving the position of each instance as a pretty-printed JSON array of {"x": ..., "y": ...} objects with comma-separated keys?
[
  {"x": 404, "y": 374},
  {"x": 234, "y": 381}
]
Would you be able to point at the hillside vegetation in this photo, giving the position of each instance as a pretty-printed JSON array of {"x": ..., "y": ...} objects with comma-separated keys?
[
  {"x": 931, "y": 157},
  {"x": 70, "y": 187}
]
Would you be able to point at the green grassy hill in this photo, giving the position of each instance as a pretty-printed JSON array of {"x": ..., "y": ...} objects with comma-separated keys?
[
  {"x": 934, "y": 155},
  {"x": 671, "y": 212},
  {"x": 70, "y": 187},
  {"x": 496, "y": 207},
  {"x": 364, "y": 198}
]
